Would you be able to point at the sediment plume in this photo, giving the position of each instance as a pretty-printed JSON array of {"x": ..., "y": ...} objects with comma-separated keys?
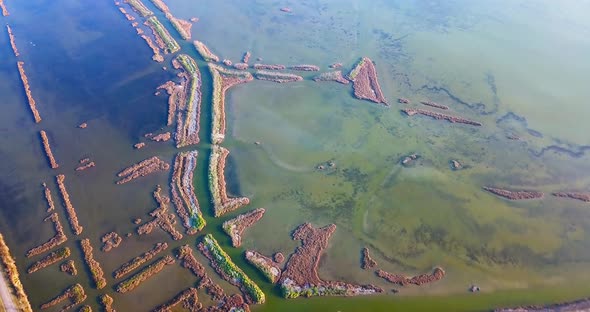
[
  {"x": 365, "y": 82},
  {"x": 71, "y": 212},
  {"x": 331, "y": 76},
  {"x": 182, "y": 27},
  {"x": 335, "y": 65},
  {"x": 235, "y": 227},
  {"x": 58, "y": 239},
  {"x": 585, "y": 197},
  {"x": 246, "y": 57},
  {"x": 189, "y": 102},
  {"x": 20, "y": 299},
  {"x": 132, "y": 282},
  {"x": 25, "y": 80},
  {"x": 162, "y": 219},
  {"x": 300, "y": 277},
  {"x": 433, "y": 104},
  {"x": 47, "y": 149},
  {"x": 74, "y": 293},
  {"x": 421, "y": 279},
  {"x": 162, "y": 137},
  {"x": 188, "y": 298},
  {"x": 165, "y": 41},
  {"x": 106, "y": 302},
  {"x": 12, "y": 41},
  {"x": 85, "y": 166},
  {"x": 4, "y": 9},
  {"x": 223, "y": 79},
  {"x": 93, "y": 265},
  {"x": 266, "y": 265},
  {"x": 368, "y": 262},
  {"x": 221, "y": 203},
  {"x": 110, "y": 240},
  {"x": 277, "y": 77},
  {"x": 142, "y": 169},
  {"x": 139, "y": 7},
  {"x": 439, "y": 116},
  {"x": 225, "y": 267},
  {"x": 183, "y": 192},
  {"x": 175, "y": 93},
  {"x": 204, "y": 51},
  {"x": 51, "y": 258},
  {"x": 514, "y": 195},
  {"x": 269, "y": 66},
  {"x": 305, "y": 67},
  {"x": 69, "y": 267},
  {"x": 241, "y": 66},
  {"x": 138, "y": 261},
  {"x": 48, "y": 198},
  {"x": 139, "y": 145}
]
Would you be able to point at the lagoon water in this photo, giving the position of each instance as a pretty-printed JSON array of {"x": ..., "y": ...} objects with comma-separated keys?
[{"x": 518, "y": 67}]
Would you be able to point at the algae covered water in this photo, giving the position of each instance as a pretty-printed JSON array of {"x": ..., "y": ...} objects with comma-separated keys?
[{"x": 517, "y": 67}]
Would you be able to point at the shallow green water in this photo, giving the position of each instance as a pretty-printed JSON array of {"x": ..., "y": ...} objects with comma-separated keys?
[{"x": 517, "y": 67}]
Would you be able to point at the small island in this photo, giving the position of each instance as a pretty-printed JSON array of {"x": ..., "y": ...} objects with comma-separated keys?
[
  {"x": 365, "y": 82},
  {"x": 222, "y": 204}
]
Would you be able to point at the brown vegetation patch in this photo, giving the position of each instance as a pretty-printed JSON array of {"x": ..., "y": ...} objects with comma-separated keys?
[
  {"x": 421, "y": 279},
  {"x": 58, "y": 239},
  {"x": 13, "y": 281},
  {"x": 585, "y": 197},
  {"x": 12, "y": 41},
  {"x": 134, "y": 281},
  {"x": 110, "y": 240},
  {"x": 51, "y": 258},
  {"x": 48, "y": 198},
  {"x": 365, "y": 82},
  {"x": 439, "y": 116},
  {"x": 25, "y": 80},
  {"x": 71, "y": 212},
  {"x": 4, "y": 9},
  {"x": 433, "y": 104},
  {"x": 47, "y": 149},
  {"x": 69, "y": 267},
  {"x": 368, "y": 262},
  {"x": 162, "y": 219},
  {"x": 300, "y": 276},
  {"x": 514, "y": 195},
  {"x": 235, "y": 227},
  {"x": 74, "y": 293},
  {"x": 188, "y": 298},
  {"x": 93, "y": 265},
  {"x": 138, "y": 261},
  {"x": 305, "y": 67},
  {"x": 331, "y": 76},
  {"x": 142, "y": 169},
  {"x": 107, "y": 303}
]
